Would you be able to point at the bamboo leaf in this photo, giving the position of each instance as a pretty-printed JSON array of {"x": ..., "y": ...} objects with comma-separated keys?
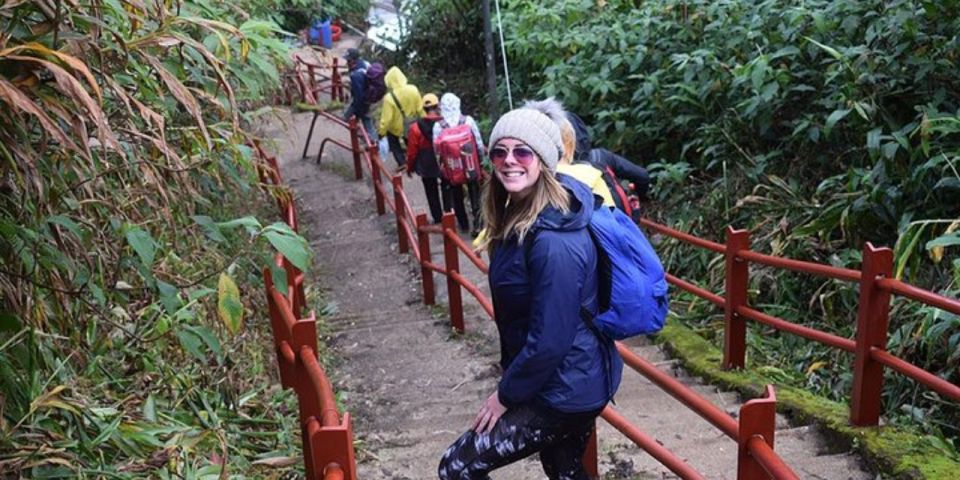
[
  {"x": 181, "y": 93},
  {"x": 229, "y": 306},
  {"x": 73, "y": 89},
  {"x": 18, "y": 101},
  {"x": 142, "y": 243},
  {"x": 291, "y": 245},
  {"x": 832, "y": 120}
]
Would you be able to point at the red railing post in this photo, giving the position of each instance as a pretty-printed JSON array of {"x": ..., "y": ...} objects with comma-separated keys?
[
  {"x": 735, "y": 286},
  {"x": 426, "y": 275},
  {"x": 451, "y": 256},
  {"x": 377, "y": 182},
  {"x": 333, "y": 445},
  {"x": 355, "y": 145},
  {"x": 397, "y": 181},
  {"x": 757, "y": 419},
  {"x": 872, "y": 314},
  {"x": 590, "y": 460}
]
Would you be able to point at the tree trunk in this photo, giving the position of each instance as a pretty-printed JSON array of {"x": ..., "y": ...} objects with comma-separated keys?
[{"x": 492, "y": 104}]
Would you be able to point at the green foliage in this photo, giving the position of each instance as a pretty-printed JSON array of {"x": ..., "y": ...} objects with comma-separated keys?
[
  {"x": 443, "y": 47},
  {"x": 122, "y": 161},
  {"x": 818, "y": 124}
]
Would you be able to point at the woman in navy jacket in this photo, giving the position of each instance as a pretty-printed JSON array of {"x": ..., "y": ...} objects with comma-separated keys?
[{"x": 558, "y": 375}]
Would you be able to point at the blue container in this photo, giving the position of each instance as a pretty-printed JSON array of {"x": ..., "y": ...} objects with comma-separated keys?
[
  {"x": 326, "y": 34},
  {"x": 314, "y": 34}
]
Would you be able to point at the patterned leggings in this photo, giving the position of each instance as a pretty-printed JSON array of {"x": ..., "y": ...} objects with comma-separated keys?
[{"x": 519, "y": 433}]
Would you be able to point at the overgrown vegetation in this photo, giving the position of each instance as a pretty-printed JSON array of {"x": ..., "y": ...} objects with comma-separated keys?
[
  {"x": 442, "y": 48},
  {"x": 129, "y": 286},
  {"x": 817, "y": 124}
]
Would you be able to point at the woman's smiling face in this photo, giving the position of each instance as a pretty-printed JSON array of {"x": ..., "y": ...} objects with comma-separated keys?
[{"x": 516, "y": 165}]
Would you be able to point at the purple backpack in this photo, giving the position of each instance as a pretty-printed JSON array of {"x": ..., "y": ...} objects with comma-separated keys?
[{"x": 376, "y": 88}]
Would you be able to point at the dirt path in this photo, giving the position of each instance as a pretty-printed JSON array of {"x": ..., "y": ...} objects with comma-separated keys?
[{"x": 412, "y": 385}]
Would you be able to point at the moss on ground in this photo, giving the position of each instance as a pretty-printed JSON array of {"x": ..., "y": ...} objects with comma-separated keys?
[{"x": 899, "y": 452}]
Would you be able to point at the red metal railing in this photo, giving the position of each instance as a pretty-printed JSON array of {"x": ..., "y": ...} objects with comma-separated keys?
[
  {"x": 869, "y": 345},
  {"x": 754, "y": 432},
  {"x": 327, "y": 437}
]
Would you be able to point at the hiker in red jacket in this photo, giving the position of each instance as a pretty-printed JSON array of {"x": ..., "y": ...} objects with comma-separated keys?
[
  {"x": 421, "y": 158},
  {"x": 459, "y": 148}
]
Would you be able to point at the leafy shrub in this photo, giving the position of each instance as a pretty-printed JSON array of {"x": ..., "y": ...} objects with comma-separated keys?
[{"x": 818, "y": 124}]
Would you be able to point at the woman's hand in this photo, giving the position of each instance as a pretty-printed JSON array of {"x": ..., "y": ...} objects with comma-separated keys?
[{"x": 489, "y": 413}]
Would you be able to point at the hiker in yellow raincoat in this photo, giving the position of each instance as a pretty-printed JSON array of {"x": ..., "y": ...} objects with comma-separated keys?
[{"x": 402, "y": 106}]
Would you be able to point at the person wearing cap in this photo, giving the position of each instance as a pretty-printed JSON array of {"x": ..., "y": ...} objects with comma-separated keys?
[
  {"x": 358, "y": 82},
  {"x": 421, "y": 158},
  {"x": 453, "y": 194},
  {"x": 401, "y": 107},
  {"x": 558, "y": 374}
]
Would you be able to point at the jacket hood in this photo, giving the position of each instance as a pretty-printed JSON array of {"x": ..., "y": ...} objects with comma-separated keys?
[
  {"x": 394, "y": 78},
  {"x": 581, "y": 208},
  {"x": 450, "y": 108},
  {"x": 584, "y": 142}
]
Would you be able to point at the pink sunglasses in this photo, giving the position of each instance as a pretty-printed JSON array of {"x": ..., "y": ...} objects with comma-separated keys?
[{"x": 523, "y": 155}]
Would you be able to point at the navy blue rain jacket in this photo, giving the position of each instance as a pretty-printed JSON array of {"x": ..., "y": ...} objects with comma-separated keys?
[
  {"x": 358, "y": 85},
  {"x": 548, "y": 353}
]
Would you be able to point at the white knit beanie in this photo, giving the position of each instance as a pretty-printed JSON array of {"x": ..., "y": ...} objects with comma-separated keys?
[{"x": 533, "y": 128}]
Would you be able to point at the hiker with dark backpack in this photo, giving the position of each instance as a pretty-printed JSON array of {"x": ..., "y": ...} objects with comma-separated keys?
[
  {"x": 558, "y": 374},
  {"x": 366, "y": 80},
  {"x": 401, "y": 107},
  {"x": 614, "y": 167},
  {"x": 459, "y": 148},
  {"x": 421, "y": 158}
]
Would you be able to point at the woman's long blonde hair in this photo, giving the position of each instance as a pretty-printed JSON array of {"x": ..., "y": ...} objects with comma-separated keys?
[{"x": 504, "y": 218}]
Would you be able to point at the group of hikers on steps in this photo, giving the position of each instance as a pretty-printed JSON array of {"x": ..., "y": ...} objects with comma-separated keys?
[{"x": 569, "y": 271}]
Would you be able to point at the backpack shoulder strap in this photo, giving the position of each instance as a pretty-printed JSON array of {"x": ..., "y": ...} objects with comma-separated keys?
[{"x": 397, "y": 101}]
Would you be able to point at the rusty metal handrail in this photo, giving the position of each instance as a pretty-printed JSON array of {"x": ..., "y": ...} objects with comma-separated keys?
[
  {"x": 286, "y": 311},
  {"x": 799, "y": 330},
  {"x": 918, "y": 294},
  {"x": 684, "y": 237},
  {"x": 685, "y": 395},
  {"x": 435, "y": 228},
  {"x": 338, "y": 143},
  {"x": 801, "y": 266},
  {"x": 474, "y": 290},
  {"x": 700, "y": 292},
  {"x": 650, "y": 445},
  {"x": 932, "y": 381},
  {"x": 329, "y": 415},
  {"x": 463, "y": 247},
  {"x": 769, "y": 460}
]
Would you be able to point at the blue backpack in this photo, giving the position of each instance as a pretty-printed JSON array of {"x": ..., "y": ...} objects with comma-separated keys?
[{"x": 632, "y": 289}]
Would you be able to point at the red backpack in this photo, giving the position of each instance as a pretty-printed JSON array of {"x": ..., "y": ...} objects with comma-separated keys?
[{"x": 457, "y": 154}]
